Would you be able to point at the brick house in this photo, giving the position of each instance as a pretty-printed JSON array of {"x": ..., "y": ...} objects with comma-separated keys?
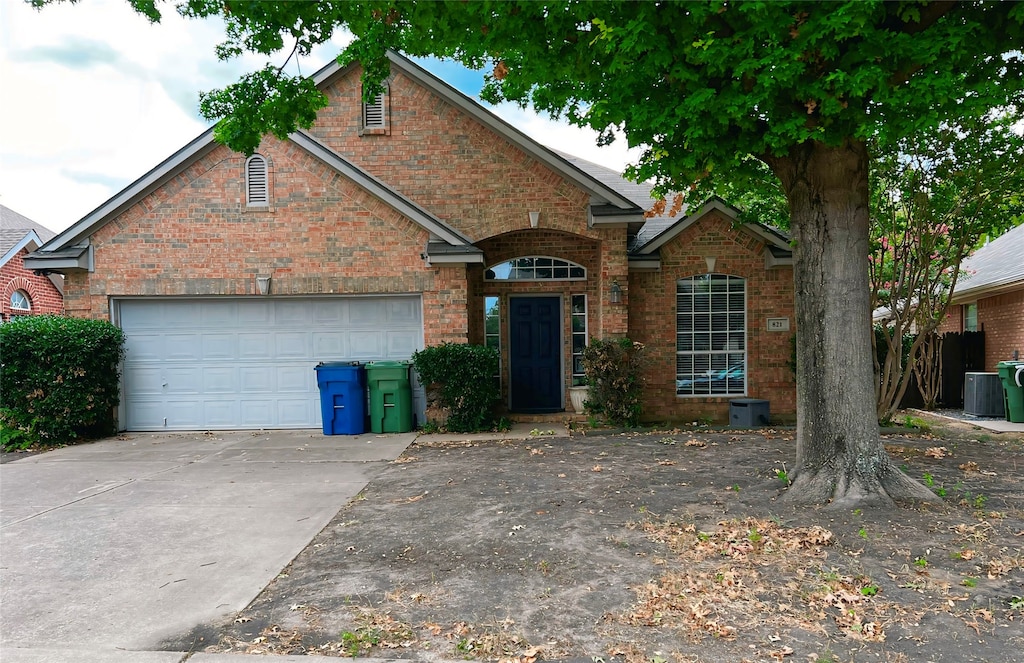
[
  {"x": 990, "y": 298},
  {"x": 418, "y": 219},
  {"x": 22, "y": 291}
]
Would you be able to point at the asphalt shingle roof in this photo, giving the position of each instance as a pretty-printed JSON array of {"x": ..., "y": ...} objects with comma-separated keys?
[
  {"x": 14, "y": 227},
  {"x": 998, "y": 263}
]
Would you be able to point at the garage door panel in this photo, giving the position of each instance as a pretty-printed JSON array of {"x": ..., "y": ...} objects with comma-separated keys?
[
  {"x": 293, "y": 314},
  {"x": 146, "y": 415},
  {"x": 402, "y": 344},
  {"x": 185, "y": 414},
  {"x": 248, "y": 362},
  {"x": 143, "y": 347},
  {"x": 144, "y": 380},
  {"x": 365, "y": 345},
  {"x": 329, "y": 312},
  {"x": 219, "y": 346},
  {"x": 220, "y": 380},
  {"x": 256, "y": 380},
  {"x": 223, "y": 315},
  {"x": 293, "y": 345},
  {"x": 220, "y": 413},
  {"x": 183, "y": 380},
  {"x": 256, "y": 414},
  {"x": 255, "y": 314},
  {"x": 295, "y": 379},
  {"x": 255, "y": 346},
  {"x": 295, "y": 412},
  {"x": 182, "y": 347},
  {"x": 403, "y": 311},
  {"x": 329, "y": 345},
  {"x": 366, "y": 312}
]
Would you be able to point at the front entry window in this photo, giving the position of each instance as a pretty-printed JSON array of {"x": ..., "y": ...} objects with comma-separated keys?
[
  {"x": 711, "y": 336},
  {"x": 536, "y": 268},
  {"x": 579, "y": 339}
]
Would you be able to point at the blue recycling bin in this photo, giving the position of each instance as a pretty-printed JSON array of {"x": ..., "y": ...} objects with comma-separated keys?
[{"x": 342, "y": 397}]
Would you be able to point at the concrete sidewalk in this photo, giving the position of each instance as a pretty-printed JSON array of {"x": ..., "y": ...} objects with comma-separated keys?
[{"x": 108, "y": 548}]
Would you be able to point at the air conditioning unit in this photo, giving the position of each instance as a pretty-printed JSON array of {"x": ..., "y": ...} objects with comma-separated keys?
[{"x": 983, "y": 395}]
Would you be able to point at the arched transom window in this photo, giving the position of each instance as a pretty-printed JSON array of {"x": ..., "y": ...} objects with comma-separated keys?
[
  {"x": 536, "y": 268},
  {"x": 20, "y": 301}
]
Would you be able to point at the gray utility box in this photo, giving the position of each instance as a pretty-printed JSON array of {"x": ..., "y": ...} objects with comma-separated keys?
[
  {"x": 983, "y": 395},
  {"x": 749, "y": 412}
]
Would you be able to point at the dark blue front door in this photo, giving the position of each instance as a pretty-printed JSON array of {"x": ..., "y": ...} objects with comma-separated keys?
[{"x": 535, "y": 343}]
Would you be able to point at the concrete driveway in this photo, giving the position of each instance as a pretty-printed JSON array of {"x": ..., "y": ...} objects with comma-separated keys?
[{"x": 106, "y": 549}]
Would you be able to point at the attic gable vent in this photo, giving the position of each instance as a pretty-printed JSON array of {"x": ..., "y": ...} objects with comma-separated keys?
[
  {"x": 373, "y": 113},
  {"x": 257, "y": 185}
]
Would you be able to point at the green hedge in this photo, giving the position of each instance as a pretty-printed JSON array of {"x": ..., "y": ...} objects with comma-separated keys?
[
  {"x": 464, "y": 379},
  {"x": 59, "y": 379}
]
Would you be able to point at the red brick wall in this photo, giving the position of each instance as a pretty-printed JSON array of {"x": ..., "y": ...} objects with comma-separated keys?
[
  {"x": 43, "y": 295},
  {"x": 449, "y": 163},
  {"x": 321, "y": 235},
  {"x": 652, "y": 319},
  {"x": 1002, "y": 319}
]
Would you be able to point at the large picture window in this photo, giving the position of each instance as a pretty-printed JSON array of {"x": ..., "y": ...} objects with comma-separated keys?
[{"x": 711, "y": 336}]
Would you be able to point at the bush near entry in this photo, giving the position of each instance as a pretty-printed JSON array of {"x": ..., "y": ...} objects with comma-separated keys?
[
  {"x": 614, "y": 370},
  {"x": 463, "y": 378},
  {"x": 59, "y": 379}
]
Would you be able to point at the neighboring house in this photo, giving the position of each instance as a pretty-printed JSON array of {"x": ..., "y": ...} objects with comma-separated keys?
[
  {"x": 22, "y": 291},
  {"x": 418, "y": 219},
  {"x": 990, "y": 298}
]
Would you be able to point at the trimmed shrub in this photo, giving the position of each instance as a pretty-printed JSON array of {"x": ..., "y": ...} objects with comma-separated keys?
[
  {"x": 59, "y": 379},
  {"x": 461, "y": 378},
  {"x": 614, "y": 369}
]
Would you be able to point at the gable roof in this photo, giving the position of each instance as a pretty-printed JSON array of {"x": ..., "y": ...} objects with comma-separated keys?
[
  {"x": 14, "y": 227},
  {"x": 600, "y": 192},
  {"x": 995, "y": 267},
  {"x": 69, "y": 245}
]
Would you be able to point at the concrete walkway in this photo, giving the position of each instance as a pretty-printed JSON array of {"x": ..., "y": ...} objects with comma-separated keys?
[{"x": 106, "y": 549}]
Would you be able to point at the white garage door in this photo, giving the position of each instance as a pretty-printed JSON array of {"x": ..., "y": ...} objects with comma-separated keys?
[{"x": 221, "y": 364}]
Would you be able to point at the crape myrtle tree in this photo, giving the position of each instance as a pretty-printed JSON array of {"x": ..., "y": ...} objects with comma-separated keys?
[
  {"x": 710, "y": 89},
  {"x": 934, "y": 196}
]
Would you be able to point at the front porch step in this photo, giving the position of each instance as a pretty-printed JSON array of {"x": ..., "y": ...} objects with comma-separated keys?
[{"x": 553, "y": 418}]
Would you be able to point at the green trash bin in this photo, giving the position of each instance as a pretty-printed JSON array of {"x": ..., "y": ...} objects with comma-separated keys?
[
  {"x": 390, "y": 396},
  {"x": 1011, "y": 373}
]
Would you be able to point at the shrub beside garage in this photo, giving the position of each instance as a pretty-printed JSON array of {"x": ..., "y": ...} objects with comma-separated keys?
[{"x": 59, "y": 379}]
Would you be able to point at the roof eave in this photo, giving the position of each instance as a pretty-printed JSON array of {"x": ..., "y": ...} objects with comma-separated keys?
[{"x": 75, "y": 259}]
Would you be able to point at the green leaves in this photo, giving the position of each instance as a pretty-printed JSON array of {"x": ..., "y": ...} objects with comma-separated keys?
[
  {"x": 264, "y": 102},
  {"x": 58, "y": 378},
  {"x": 464, "y": 380}
]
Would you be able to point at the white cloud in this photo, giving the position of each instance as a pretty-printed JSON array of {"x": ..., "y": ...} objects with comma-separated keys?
[{"x": 95, "y": 96}]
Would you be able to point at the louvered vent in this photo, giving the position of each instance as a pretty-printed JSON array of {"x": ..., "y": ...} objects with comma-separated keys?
[
  {"x": 257, "y": 187},
  {"x": 373, "y": 113}
]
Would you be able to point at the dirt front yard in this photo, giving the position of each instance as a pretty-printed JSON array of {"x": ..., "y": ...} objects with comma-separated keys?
[{"x": 654, "y": 547}]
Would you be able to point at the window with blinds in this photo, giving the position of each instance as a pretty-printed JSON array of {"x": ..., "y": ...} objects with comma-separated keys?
[
  {"x": 257, "y": 182},
  {"x": 711, "y": 336}
]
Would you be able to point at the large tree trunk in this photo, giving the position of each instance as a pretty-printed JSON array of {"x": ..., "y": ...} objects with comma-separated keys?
[{"x": 840, "y": 456}]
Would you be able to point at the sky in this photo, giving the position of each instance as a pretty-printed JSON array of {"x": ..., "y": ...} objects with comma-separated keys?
[{"x": 92, "y": 96}]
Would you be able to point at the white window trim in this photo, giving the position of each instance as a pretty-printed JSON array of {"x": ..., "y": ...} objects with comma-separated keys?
[
  {"x": 253, "y": 185},
  {"x": 694, "y": 353},
  {"x": 586, "y": 336}
]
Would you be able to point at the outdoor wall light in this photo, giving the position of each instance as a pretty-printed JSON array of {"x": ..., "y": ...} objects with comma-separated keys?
[
  {"x": 711, "y": 260},
  {"x": 616, "y": 293},
  {"x": 534, "y": 219},
  {"x": 263, "y": 285}
]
